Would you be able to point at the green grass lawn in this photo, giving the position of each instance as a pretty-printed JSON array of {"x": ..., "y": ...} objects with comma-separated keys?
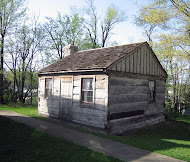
[
  {"x": 22, "y": 143},
  {"x": 26, "y": 110},
  {"x": 171, "y": 139}
]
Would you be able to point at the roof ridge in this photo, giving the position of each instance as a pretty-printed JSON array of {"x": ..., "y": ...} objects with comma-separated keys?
[{"x": 111, "y": 47}]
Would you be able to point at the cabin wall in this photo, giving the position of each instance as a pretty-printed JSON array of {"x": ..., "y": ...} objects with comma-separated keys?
[
  {"x": 91, "y": 114},
  {"x": 129, "y": 105},
  {"x": 42, "y": 102},
  {"x": 49, "y": 106},
  {"x": 120, "y": 101},
  {"x": 96, "y": 113}
]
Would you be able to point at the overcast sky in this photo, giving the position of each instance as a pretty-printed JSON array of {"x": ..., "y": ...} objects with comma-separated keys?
[{"x": 125, "y": 32}]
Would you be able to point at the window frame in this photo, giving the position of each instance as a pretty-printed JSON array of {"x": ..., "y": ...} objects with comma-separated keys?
[
  {"x": 93, "y": 90},
  {"x": 153, "y": 98},
  {"x": 45, "y": 95}
]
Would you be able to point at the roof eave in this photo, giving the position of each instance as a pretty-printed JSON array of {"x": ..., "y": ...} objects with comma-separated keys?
[{"x": 74, "y": 71}]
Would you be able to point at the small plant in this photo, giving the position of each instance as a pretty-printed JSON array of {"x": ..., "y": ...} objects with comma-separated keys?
[{"x": 170, "y": 113}]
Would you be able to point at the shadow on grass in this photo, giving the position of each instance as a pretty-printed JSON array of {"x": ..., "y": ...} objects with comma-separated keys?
[
  {"x": 22, "y": 143},
  {"x": 171, "y": 139}
]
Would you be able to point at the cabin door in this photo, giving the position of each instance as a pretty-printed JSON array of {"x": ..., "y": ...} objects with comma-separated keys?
[{"x": 66, "y": 98}]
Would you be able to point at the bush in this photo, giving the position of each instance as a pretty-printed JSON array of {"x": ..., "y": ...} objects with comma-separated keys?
[
  {"x": 170, "y": 113},
  {"x": 6, "y": 98},
  {"x": 187, "y": 98}
]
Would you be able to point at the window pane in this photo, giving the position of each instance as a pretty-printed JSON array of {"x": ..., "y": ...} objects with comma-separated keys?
[
  {"x": 48, "y": 93},
  {"x": 48, "y": 89},
  {"x": 49, "y": 83},
  {"x": 152, "y": 90},
  {"x": 151, "y": 95},
  {"x": 87, "y": 84},
  {"x": 151, "y": 85},
  {"x": 87, "y": 96}
]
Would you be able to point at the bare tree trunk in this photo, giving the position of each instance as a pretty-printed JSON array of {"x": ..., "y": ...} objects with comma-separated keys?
[
  {"x": 2, "y": 69},
  {"x": 22, "y": 88},
  {"x": 14, "y": 88},
  {"x": 31, "y": 82}
]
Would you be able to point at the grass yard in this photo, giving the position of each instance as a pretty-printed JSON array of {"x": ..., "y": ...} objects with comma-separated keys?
[
  {"x": 170, "y": 139},
  {"x": 26, "y": 110},
  {"x": 22, "y": 143}
]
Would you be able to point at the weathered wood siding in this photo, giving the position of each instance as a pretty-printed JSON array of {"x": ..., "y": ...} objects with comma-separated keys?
[
  {"x": 65, "y": 108},
  {"x": 141, "y": 61},
  {"x": 126, "y": 94},
  {"x": 49, "y": 106},
  {"x": 95, "y": 114},
  {"x": 65, "y": 101},
  {"x": 129, "y": 105},
  {"x": 42, "y": 103}
]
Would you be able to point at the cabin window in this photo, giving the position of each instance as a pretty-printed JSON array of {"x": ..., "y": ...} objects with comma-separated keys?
[
  {"x": 48, "y": 87},
  {"x": 87, "y": 90},
  {"x": 151, "y": 90}
]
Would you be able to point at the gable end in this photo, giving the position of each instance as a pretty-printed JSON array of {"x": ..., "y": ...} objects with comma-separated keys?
[{"x": 141, "y": 60}]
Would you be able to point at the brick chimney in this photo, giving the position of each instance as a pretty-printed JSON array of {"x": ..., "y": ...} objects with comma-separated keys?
[{"x": 70, "y": 49}]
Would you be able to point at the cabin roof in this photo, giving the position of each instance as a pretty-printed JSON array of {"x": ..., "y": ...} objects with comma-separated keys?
[{"x": 100, "y": 58}]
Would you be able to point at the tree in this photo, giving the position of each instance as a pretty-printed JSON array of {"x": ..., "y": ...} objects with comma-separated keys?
[
  {"x": 168, "y": 15},
  {"x": 91, "y": 24},
  {"x": 151, "y": 19},
  {"x": 10, "y": 12},
  {"x": 175, "y": 63},
  {"x": 166, "y": 25},
  {"x": 98, "y": 29},
  {"x": 23, "y": 46},
  {"x": 62, "y": 31}
]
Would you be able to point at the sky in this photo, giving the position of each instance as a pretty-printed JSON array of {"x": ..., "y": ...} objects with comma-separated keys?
[{"x": 123, "y": 33}]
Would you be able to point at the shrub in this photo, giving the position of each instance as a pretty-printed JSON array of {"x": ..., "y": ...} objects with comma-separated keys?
[
  {"x": 170, "y": 113},
  {"x": 187, "y": 98}
]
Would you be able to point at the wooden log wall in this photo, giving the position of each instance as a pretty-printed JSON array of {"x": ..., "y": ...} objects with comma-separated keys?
[
  {"x": 122, "y": 125},
  {"x": 126, "y": 94},
  {"x": 141, "y": 61},
  {"x": 95, "y": 114},
  {"x": 129, "y": 106}
]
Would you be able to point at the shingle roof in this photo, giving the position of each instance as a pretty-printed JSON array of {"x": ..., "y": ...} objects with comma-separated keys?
[{"x": 91, "y": 59}]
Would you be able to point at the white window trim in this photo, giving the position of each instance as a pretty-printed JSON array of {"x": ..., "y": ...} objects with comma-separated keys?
[
  {"x": 93, "y": 99},
  {"x": 50, "y": 77}
]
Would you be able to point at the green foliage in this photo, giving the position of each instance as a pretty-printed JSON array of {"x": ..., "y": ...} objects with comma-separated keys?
[
  {"x": 166, "y": 25},
  {"x": 186, "y": 97},
  {"x": 34, "y": 100},
  {"x": 7, "y": 91},
  {"x": 170, "y": 113},
  {"x": 114, "y": 15},
  {"x": 11, "y": 12},
  {"x": 61, "y": 31}
]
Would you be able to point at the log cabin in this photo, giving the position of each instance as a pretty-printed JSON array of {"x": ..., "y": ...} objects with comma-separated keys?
[{"x": 117, "y": 88}]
